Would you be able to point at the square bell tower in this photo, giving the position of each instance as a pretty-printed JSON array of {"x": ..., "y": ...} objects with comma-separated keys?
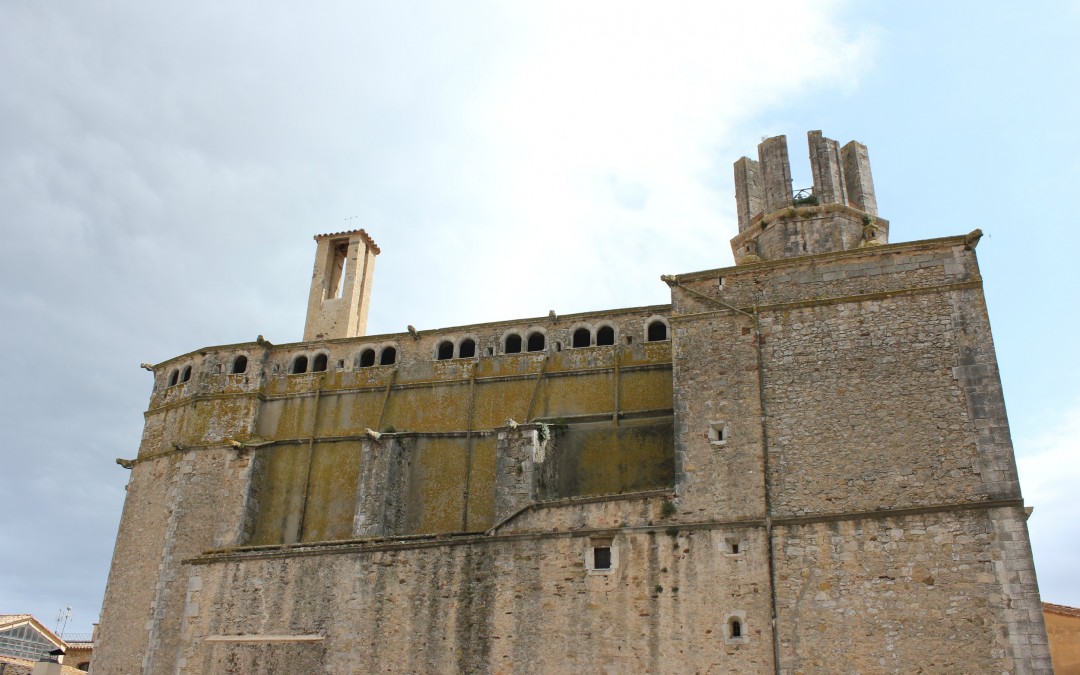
[{"x": 340, "y": 285}]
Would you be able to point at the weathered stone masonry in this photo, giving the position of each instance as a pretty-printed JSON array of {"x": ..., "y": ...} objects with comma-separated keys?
[{"x": 807, "y": 468}]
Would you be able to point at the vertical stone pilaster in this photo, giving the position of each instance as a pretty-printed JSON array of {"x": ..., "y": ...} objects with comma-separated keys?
[
  {"x": 860, "y": 183},
  {"x": 380, "y": 499},
  {"x": 776, "y": 173},
  {"x": 747, "y": 190},
  {"x": 827, "y": 168},
  {"x": 518, "y": 455}
]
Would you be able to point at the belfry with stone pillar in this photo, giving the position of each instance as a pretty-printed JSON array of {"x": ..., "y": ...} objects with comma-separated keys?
[{"x": 839, "y": 213}]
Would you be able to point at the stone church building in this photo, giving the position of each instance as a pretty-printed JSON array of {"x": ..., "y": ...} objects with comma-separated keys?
[{"x": 800, "y": 465}]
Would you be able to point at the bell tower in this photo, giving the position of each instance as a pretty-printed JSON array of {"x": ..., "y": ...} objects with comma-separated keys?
[
  {"x": 839, "y": 212},
  {"x": 340, "y": 285}
]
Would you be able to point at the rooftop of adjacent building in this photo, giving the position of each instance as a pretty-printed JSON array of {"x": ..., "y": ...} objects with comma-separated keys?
[{"x": 1064, "y": 610}]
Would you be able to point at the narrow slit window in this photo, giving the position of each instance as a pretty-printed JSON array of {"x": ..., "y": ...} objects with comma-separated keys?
[
  {"x": 388, "y": 356},
  {"x": 367, "y": 358},
  {"x": 736, "y": 628}
]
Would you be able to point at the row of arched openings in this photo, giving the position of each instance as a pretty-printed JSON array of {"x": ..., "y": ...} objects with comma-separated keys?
[
  {"x": 445, "y": 350},
  {"x": 178, "y": 376},
  {"x": 367, "y": 359},
  {"x": 513, "y": 343},
  {"x": 583, "y": 337},
  {"x": 318, "y": 364},
  {"x": 387, "y": 357}
]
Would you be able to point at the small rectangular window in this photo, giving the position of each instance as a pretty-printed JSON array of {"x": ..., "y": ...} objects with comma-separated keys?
[
  {"x": 602, "y": 558},
  {"x": 718, "y": 432}
]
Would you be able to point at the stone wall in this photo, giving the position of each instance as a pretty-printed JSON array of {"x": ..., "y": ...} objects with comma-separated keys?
[
  {"x": 511, "y": 604},
  {"x": 267, "y": 456},
  {"x": 863, "y": 421}
]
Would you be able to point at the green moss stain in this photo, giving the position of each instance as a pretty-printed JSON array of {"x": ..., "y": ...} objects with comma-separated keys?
[
  {"x": 586, "y": 394},
  {"x": 597, "y": 458},
  {"x": 436, "y": 486},
  {"x": 482, "y": 485},
  {"x": 496, "y": 401},
  {"x": 331, "y": 499},
  {"x": 433, "y": 408},
  {"x": 282, "y": 495},
  {"x": 645, "y": 390},
  {"x": 588, "y": 459}
]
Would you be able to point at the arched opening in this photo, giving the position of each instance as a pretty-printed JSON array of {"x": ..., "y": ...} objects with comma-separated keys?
[
  {"x": 319, "y": 364},
  {"x": 536, "y": 342},
  {"x": 84, "y": 666},
  {"x": 299, "y": 365},
  {"x": 467, "y": 350},
  {"x": 186, "y": 375},
  {"x": 367, "y": 358},
  {"x": 388, "y": 356},
  {"x": 239, "y": 365},
  {"x": 513, "y": 344},
  {"x": 605, "y": 336},
  {"x": 174, "y": 378},
  {"x": 582, "y": 338},
  {"x": 657, "y": 331},
  {"x": 736, "y": 628},
  {"x": 446, "y": 350}
]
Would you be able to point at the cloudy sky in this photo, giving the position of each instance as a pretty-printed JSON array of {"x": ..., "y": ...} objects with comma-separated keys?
[{"x": 163, "y": 167}]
